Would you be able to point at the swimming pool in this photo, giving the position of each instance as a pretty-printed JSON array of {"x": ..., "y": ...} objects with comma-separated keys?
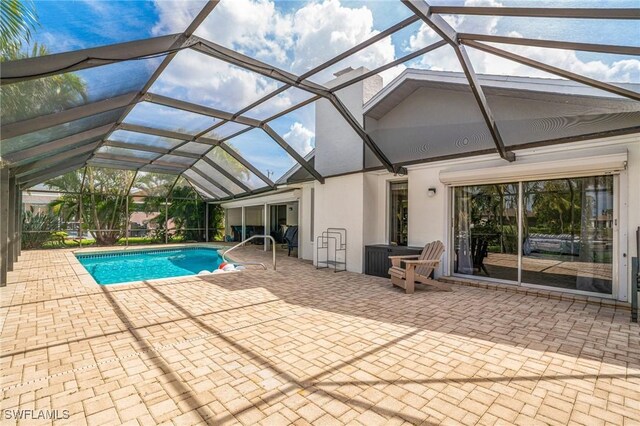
[{"x": 138, "y": 265}]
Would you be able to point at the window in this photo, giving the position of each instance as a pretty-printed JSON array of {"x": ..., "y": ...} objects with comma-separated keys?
[{"x": 398, "y": 213}]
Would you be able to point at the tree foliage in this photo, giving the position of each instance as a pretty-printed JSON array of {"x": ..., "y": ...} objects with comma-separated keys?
[
  {"x": 103, "y": 200},
  {"x": 17, "y": 19},
  {"x": 37, "y": 228},
  {"x": 39, "y": 96}
]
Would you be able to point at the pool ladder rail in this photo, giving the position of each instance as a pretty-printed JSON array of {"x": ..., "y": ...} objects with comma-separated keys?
[{"x": 240, "y": 244}]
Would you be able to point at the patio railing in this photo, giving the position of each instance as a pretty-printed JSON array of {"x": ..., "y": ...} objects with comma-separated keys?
[{"x": 240, "y": 244}]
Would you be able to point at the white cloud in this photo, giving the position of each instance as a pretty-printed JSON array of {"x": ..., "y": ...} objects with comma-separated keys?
[
  {"x": 200, "y": 79},
  {"x": 297, "y": 41},
  {"x": 618, "y": 71},
  {"x": 301, "y": 39},
  {"x": 175, "y": 15},
  {"x": 444, "y": 59},
  {"x": 300, "y": 138},
  {"x": 323, "y": 30}
]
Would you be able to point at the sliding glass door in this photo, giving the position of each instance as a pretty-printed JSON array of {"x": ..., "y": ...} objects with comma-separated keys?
[
  {"x": 568, "y": 233},
  {"x": 486, "y": 230},
  {"x": 564, "y": 239}
]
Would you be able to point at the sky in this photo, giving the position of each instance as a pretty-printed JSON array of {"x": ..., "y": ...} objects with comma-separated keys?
[{"x": 297, "y": 36}]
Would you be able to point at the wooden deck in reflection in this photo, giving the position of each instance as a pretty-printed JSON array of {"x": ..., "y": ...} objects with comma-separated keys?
[{"x": 603, "y": 271}]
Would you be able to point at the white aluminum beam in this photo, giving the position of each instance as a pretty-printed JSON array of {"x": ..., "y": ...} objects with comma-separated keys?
[
  {"x": 42, "y": 66},
  {"x": 219, "y": 52},
  {"x": 541, "y": 12},
  {"x": 147, "y": 148},
  {"x": 226, "y": 174},
  {"x": 67, "y": 166},
  {"x": 199, "y": 109},
  {"x": 55, "y": 159},
  {"x": 553, "y": 44},
  {"x": 554, "y": 70},
  {"x": 69, "y": 141},
  {"x": 19, "y": 128},
  {"x": 292, "y": 152},
  {"x": 204, "y": 176},
  {"x": 166, "y": 134}
]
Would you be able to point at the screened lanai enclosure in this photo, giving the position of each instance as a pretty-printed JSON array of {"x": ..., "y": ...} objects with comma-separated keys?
[{"x": 134, "y": 120}]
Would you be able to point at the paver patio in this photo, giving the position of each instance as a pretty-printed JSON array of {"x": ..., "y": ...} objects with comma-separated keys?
[{"x": 301, "y": 346}]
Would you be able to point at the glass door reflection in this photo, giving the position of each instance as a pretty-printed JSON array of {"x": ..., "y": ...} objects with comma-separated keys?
[
  {"x": 486, "y": 230},
  {"x": 568, "y": 233}
]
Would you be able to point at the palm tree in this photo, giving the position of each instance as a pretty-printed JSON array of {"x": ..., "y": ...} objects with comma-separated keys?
[
  {"x": 103, "y": 200},
  {"x": 17, "y": 19},
  {"x": 32, "y": 98}
]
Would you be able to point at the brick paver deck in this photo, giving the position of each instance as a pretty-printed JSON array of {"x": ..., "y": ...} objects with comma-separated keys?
[{"x": 302, "y": 346}]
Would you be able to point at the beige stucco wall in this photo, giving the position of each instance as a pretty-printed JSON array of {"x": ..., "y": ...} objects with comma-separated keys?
[
  {"x": 429, "y": 216},
  {"x": 339, "y": 203}
]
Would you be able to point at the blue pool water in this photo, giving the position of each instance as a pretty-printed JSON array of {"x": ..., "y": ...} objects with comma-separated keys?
[{"x": 112, "y": 268}]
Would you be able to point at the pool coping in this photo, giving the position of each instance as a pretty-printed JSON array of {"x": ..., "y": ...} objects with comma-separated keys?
[{"x": 86, "y": 277}]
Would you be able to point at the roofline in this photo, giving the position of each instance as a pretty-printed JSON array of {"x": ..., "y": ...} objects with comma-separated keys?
[
  {"x": 537, "y": 84},
  {"x": 295, "y": 168}
]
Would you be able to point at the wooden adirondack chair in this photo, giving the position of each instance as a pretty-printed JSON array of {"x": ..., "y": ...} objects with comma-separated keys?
[{"x": 417, "y": 268}]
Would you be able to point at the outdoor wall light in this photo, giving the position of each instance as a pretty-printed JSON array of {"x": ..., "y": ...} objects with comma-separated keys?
[{"x": 431, "y": 192}]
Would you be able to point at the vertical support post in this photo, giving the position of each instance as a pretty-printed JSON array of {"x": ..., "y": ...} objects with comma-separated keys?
[
  {"x": 16, "y": 222},
  {"x": 266, "y": 240},
  {"x": 635, "y": 261},
  {"x": 206, "y": 221},
  {"x": 299, "y": 251},
  {"x": 19, "y": 224},
  {"x": 244, "y": 233},
  {"x": 126, "y": 229},
  {"x": 166, "y": 220},
  {"x": 227, "y": 228},
  {"x": 4, "y": 223},
  {"x": 80, "y": 206},
  {"x": 521, "y": 218},
  {"x": 80, "y": 220},
  {"x": 11, "y": 223}
]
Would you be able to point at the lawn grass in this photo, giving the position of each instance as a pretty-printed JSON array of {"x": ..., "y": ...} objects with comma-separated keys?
[{"x": 74, "y": 243}]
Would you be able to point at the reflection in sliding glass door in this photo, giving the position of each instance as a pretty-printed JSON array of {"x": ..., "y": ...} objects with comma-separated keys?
[
  {"x": 568, "y": 233},
  {"x": 486, "y": 231}
]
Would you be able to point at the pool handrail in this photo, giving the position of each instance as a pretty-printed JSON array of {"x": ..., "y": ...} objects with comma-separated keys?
[{"x": 240, "y": 244}]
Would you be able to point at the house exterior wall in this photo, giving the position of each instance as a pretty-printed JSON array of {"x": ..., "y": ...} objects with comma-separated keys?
[
  {"x": 305, "y": 240},
  {"x": 358, "y": 201},
  {"x": 436, "y": 122},
  {"x": 342, "y": 148},
  {"x": 339, "y": 203},
  {"x": 429, "y": 216},
  {"x": 300, "y": 214}
]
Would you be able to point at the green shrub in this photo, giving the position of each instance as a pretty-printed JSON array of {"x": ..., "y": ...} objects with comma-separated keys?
[{"x": 37, "y": 228}]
